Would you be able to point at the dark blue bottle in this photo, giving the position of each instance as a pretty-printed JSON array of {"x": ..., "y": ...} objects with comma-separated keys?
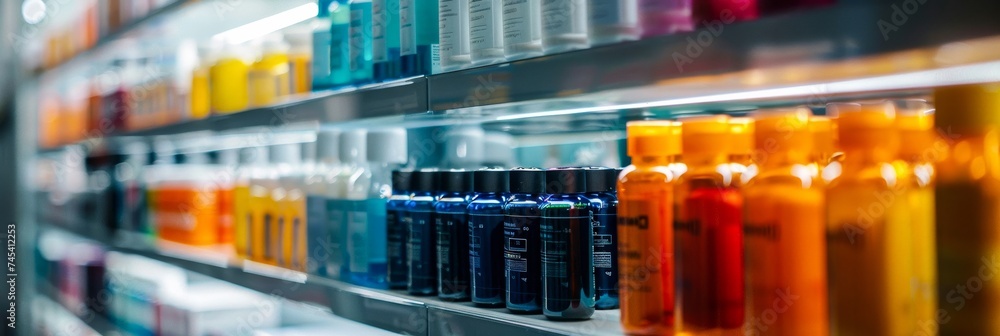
[
  {"x": 567, "y": 247},
  {"x": 421, "y": 248},
  {"x": 397, "y": 232},
  {"x": 604, "y": 207},
  {"x": 523, "y": 244},
  {"x": 452, "y": 225},
  {"x": 486, "y": 216}
]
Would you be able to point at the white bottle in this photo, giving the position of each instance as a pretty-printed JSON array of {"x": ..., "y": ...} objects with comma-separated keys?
[
  {"x": 486, "y": 31},
  {"x": 453, "y": 33},
  {"x": 564, "y": 25},
  {"x": 613, "y": 21},
  {"x": 522, "y": 28}
]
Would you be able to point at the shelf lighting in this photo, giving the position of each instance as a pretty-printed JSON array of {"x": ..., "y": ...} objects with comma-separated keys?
[{"x": 270, "y": 24}]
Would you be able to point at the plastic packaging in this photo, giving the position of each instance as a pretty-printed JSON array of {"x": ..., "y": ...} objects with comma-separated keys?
[
  {"x": 385, "y": 39},
  {"x": 361, "y": 41},
  {"x": 451, "y": 224},
  {"x": 421, "y": 246},
  {"x": 523, "y": 245},
  {"x": 522, "y": 29},
  {"x": 454, "y": 34},
  {"x": 486, "y": 225},
  {"x": 418, "y": 37},
  {"x": 486, "y": 31},
  {"x": 567, "y": 247}
]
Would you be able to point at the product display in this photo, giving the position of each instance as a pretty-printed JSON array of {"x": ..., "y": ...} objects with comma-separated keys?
[
  {"x": 486, "y": 236},
  {"x": 421, "y": 246},
  {"x": 567, "y": 246},
  {"x": 451, "y": 226},
  {"x": 523, "y": 245}
]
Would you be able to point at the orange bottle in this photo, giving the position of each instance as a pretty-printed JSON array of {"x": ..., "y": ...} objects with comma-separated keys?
[
  {"x": 967, "y": 215},
  {"x": 709, "y": 230},
  {"x": 645, "y": 228},
  {"x": 869, "y": 227},
  {"x": 741, "y": 159},
  {"x": 784, "y": 231}
]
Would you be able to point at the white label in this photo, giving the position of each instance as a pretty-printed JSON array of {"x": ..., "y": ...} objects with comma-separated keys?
[
  {"x": 521, "y": 21},
  {"x": 321, "y": 53},
  {"x": 357, "y": 39},
  {"x": 379, "y": 20},
  {"x": 435, "y": 58},
  {"x": 485, "y": 18},
  {"x": 407, "y": 33},
  {"x": 453, "y": 29},
  {"x": 561, "y": 17},
  {"x": 357, "y": 236}
]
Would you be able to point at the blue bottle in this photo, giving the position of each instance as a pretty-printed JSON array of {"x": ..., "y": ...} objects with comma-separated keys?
[
  {"x": 385, "y": 39},
  {"x": 452, "y": 226},
  {"x": 421, "y": 247},
  {"x": 361, "y": 41},
  {"x": 604, "y": 207},
  {"x": 321, "y": 41},
  {"x": 522, "y": 248},
  {"x": 486, "y": 217},
  {"x": 418, "y": 37},
  {"x": 567, "y": 247},
  {"x": 397, "y": 232},
  {"x": 340, "y": 41}
]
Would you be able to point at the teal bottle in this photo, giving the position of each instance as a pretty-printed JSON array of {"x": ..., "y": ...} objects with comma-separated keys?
[
  {"x": 361, "y": 42},
  {"x": 385, "y": 39},
  {"x": 340, "y": 33}
]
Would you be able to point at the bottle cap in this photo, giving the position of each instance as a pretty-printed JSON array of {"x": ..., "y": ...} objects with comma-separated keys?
[
  {"x": 328, "y": 145},
  {"x": 741, "y": 132},
  {"x": 352, "y": 146},
  {"x": 601, "y": 179},
  {"x": 706, "y": 134},
  {"x": 424, "y": 180},
  {"x": 785, "y": 130},
  {"x": 915, "y": 123},
  {"x": 387, "y": 145},
  {"x": 454, "y": 180},
  {"x": 491, "y": 180},
  {"x": 308, "y": 151},
  {"x": 254, "y": 155},
  {"x": 401, "y": 180},
  {"x": 967, "y": 107},
  {"x": 565, "y": 181},
  {"x": 286, "y": 153},
  {"x": 653, "y": 138},
  {"x": 865, "y": 124},
  {"x": 527, "y": 180}
]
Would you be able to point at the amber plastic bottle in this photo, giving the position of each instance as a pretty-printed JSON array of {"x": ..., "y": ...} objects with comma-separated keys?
[
  {"x": 784, "y": 230},
  {"x": 919, "y": 148},
  {"x": 645, "y": 228},
  {"x": 869, "y": 227},
  {"x": 967, "y": 215},
  {"x": 709, "y": 229}
]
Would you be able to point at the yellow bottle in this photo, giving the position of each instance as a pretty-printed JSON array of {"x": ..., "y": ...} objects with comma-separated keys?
[
  {"x": 253, "y": 162},
  {"x": 200, "y": 103},
  {"x": 269, "y": 75},
  {"x": 300, "y": 61},
  {"x": 229, "y": 78},
  {"x": 967, "y": 215},
  {"x": 645, "y": 229},
  {"x": 784, "y": 230},
  {"x": 868, "y": 227},
  {"x": 289, "y": 207}
]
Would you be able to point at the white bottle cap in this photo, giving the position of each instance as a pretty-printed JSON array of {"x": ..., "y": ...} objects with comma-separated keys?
[
  {"x": 286, "y": 153},
  {"x": 328, "y": 145},
  {"x": 463, "y": 147},
  {"x": 387, "y": 145},
  {"x": 352, "y": 146}
]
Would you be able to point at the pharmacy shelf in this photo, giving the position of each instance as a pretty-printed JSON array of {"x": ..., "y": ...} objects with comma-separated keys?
[
  {"x": 122, "y": 31},
  {"x": 65, "y": 321},
  {"x": 391, "y": 310}
]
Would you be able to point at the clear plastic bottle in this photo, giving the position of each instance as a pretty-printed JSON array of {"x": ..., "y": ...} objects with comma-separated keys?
[
  {"x": 361, "y": 41},
  {"x": 418, "y": 37},
  {"x": 564, "y": 25},
  {"x": 453, "y": 33},
  {"x": 522, "y": 29},
  {"x": 613, "y": 21},
  {"x": 568, "y": 291},
  {"x": 385, "y": 39},
  {"x": 322, "y": 77},
  {"x": 321, "y": 251},
  {"x": 486, "y": 31}
]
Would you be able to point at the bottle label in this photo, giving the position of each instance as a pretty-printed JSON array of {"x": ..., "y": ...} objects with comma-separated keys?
[
  {"x": 605, "y": 250},
  {"x": 452, "y": 255},
  {"x": 452, "y": 30},
  {"x": 484, "y": 25},
  {"x": 397, "y": 234},
  {"x": 318, "y": 234},
  {"x": 380, "y": 18},
  {"x": 606, "y": 12},
  {"x": 322, "y": 40},
  {"x": 357, "y": 39},
  {"x": 517, "y": 22},
  {"x": 567, "y": 262},
  {"x": 522, "y": 256},
  {"x": 336, "y": 218},
  {"x": 339, "y": 47},
  {"x": 423, "y": 258},
  {"x": 407, "y": 31},
  {"x": 560, "y": 17},
  {"x": 485, "y": 241}
]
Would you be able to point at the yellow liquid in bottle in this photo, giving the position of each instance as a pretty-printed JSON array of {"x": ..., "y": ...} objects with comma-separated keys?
[
  {"x": 262, "y": 216},
  {"x": 269, "y": 79},
  {"x": 229, "y": 85},
  {"x": 200, "y": 104},
  {"x": 300, "y": 72},
  {"x": 242, "y": 217},
  {"x": 293, "y": 243}
]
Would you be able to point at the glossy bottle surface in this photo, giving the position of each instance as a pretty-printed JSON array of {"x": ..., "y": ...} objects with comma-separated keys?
[
  {"x": 522, "y": 252},
  {"x": 452, "y": 226},
  {"x": 397, "y": 235},
  {"x": 422, "y": 250},
  {"x": 486, "y": 229},
  {"x": 568, "y": 291}
]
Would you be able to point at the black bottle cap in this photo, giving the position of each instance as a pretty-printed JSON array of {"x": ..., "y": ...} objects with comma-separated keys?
[
  {"x": 565, "y": 180},
  {"x": 423, "y": 180},
  {"x": 491, "y": 180},
  {"x": 455, "y": 181},
  {"x": 401, "y": 180},
  {"x": 601, "y": 179},
  {"x": 527, "y": 180}
]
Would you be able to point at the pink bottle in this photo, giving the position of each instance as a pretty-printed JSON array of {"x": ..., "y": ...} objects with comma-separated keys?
[{"x": 661, "y": 17}]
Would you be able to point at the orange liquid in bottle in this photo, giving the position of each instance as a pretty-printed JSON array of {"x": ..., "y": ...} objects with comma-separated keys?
[
  {"x": 186, "y": 213},
  {"x": 785, "y": 234},
  {"x": 645, "y": 229},
  {"x": 709, "y": 229}
]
